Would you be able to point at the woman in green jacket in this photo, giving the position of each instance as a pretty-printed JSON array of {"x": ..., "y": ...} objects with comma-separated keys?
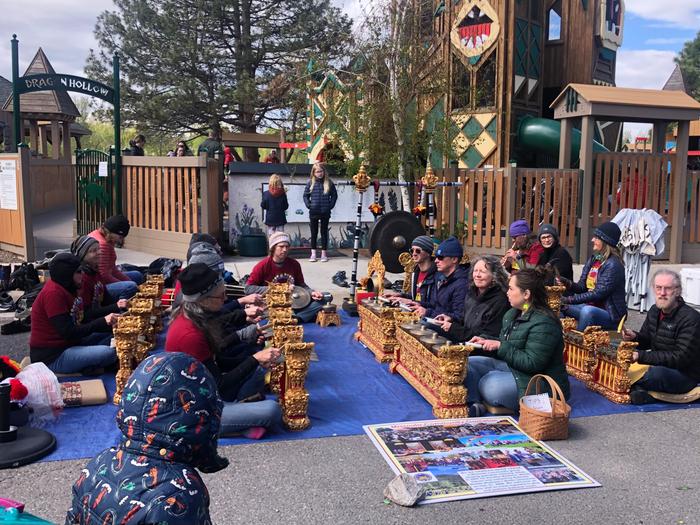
[{"x": 530, "y": 342}]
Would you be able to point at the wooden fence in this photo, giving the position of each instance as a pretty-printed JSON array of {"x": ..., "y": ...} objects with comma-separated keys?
[
  {"x": 691, "y": 232},
  {"x": 482, "y": 207},
  {"x": 632, "y": 180},
  {"x": 168, "y": 199}
]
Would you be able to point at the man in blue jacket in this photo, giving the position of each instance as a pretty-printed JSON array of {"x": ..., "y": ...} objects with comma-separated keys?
[
  {"x": 451, "y": 283},
  {"x": 169, "y": 416}
]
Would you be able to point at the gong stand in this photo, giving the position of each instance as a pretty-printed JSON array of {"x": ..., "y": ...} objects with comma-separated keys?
[{"x": 361, "y": 181}]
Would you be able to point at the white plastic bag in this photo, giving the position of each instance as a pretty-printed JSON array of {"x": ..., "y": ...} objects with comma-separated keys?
[{"x": 44, "y": 396}]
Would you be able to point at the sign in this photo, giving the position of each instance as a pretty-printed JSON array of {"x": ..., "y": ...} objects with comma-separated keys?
[
  {"x": 8, "y": 184},
  {"x": 61, "y": 82},
  {"x": 102, "y": 171},
  {"x": 474, "y": 458}
]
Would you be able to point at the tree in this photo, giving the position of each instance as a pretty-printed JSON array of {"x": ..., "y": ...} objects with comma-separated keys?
[
  {"x": 689, "y": 60},
  {"x": 191, "y": 65},
  {"x": 398, "y": 75}
]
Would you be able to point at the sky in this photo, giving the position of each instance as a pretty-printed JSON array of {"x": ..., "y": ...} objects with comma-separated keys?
[{"x": 653, "y": 35}]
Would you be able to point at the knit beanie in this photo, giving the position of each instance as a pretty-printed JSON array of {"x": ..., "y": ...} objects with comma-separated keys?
[
  {"x": 609, "y": 233},
  {"x": 450, "y": 247},
  {"x": 425, "y": 243},
  {"x": 206, "y": 254},
  {"x": 548, "y": 229},
  {"x": 518, "y": 228},
  {"x": 61, "y": 269},
  {"x": 118, "y": 224},
  {"x": 82, "y": 245},
  {"x": 278, "y": 237},
  {"x": 197, "y": 281}
]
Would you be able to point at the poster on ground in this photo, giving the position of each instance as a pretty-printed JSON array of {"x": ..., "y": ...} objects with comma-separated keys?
[{"x": 474, "y": 458}]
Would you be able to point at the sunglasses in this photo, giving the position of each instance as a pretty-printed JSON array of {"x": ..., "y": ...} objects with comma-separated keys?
[{"x": 416, "y": 250}]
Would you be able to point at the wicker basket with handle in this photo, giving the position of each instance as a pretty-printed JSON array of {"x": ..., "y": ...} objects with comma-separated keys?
[{"x": 545, "y": 425}]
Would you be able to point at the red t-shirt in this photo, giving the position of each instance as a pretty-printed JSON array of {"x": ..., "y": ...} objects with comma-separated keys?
[
  {"x": 184, "y": 336},
  {"x": 267, "y": 271},
  {"x": 92, "y": 291},
  {"x": 419, "y": 282},
  {"x": 53, "y": 300}
]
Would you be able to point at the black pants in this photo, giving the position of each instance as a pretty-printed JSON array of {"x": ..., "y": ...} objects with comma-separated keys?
[{"x": 313, "y": 224}]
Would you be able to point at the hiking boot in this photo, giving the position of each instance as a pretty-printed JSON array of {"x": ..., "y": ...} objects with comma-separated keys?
[{"x": 7, "y": 304}]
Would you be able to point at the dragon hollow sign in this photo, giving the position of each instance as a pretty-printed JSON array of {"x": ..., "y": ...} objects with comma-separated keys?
[{"x": 60, "y": 82}]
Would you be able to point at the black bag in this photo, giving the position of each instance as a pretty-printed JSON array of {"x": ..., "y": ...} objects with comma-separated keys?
[
  {"x": 168, "y": 268},
  {"x": 24, "y": 278},
  {"x": 23, "y": 305}
]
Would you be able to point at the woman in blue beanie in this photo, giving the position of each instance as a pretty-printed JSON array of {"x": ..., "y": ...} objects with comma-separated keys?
[{"x": 598, "y": 298}]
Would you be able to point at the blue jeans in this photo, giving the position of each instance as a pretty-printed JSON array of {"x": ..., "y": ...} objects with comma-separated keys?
[
  {"x": 668, "y": 380},
  {"x": 76, "y": 358},
  {"x": 238, "y": 417},
  {"x": 124, "y": 289},
  {"x": 308, "y": 313},
  {"x": 588, "y": 315},
  {"x": 255, "y": 384},
  {"x": 491, "y": 381}
]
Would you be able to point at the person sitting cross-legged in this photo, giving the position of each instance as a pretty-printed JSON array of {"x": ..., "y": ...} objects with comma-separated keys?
[
  {"x": 195, "y": 330},
  {"x": 119, "y": 285},
  {"x": 485, "y": 303},
  {"x": 59, "y": 337},
  {"x": 451, "y": 283},
  {"x": 668, "y": 342},
  {"x": 279, "y": 267},
  {"x": 598, "y": 298},
  {"x": 531, "y": 342},
  {"x": 422, "y": 287}
]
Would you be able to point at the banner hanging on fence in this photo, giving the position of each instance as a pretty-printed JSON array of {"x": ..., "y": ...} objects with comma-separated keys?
[{"x": 474, "y": 458}]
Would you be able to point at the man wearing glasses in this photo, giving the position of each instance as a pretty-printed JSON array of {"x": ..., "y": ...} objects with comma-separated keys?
[
  {"x": 423, "y": 277},
  {"x": 450, "y": 286},
  {"x": 667, "y": 341}
]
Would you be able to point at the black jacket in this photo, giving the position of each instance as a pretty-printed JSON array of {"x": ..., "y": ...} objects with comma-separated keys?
[
  {"x": 483, "y": 315},
  {"x": 672, "y": 341},
  {"x": 319, "y": 203},
  {"x": 274, "y": 208},
  {"x": 559, "y": 257}
]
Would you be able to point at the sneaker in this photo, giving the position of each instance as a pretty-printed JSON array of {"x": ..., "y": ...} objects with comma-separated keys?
[
  {"x": 312, "y": 258},
  {"x": 255, "y": 432},
  {"x": 639, "y": 396},
  {"x": 7, "y": 304},
  {"x": 324, "y": 258},
  {"x": 477, "y": 410}
]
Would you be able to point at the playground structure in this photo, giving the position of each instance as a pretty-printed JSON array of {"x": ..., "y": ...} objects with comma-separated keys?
[{"x": 531, "y": 83}]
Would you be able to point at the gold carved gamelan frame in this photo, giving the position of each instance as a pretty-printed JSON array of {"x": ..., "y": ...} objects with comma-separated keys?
[
  {"x": 597, "y": 361},
  {"x": 376, "y": 328},
  {"x": 288, "y": 379},
  {"x": 135, "y": 333},
  {"x": 439, "y": 377}
]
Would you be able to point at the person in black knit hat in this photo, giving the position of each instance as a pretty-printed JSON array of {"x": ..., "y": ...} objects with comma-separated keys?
[
  {"x": 554, "y": 253},
  {"x": 598, "y": 298},
  {"x": 195, "y": 330},
  {"x": 59, "y": 338}
]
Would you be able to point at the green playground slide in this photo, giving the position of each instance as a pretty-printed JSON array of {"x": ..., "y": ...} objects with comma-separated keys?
[{"x": 542, "y": 136}]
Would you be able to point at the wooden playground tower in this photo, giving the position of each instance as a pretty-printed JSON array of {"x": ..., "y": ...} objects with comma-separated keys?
[{"x": 505, "y": 62}]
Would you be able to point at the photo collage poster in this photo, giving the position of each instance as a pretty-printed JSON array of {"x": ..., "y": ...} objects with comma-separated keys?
[{"x": 474, "y": 458}]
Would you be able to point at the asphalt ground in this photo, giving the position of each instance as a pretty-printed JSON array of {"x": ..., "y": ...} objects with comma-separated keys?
[{"x": 648, "y": 464}]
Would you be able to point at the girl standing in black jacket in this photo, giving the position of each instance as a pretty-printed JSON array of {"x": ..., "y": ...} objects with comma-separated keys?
[
  {"x": 319, "y": 196},
  {"x": 274, "y": 202}
]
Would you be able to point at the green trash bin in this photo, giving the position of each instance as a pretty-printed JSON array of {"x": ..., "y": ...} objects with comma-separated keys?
[{"x": 252, "y": 245}]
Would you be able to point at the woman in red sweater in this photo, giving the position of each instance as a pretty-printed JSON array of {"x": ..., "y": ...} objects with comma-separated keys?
[
  {"x": 59, "y": 338},
  {"x": 195, "y": 330}
]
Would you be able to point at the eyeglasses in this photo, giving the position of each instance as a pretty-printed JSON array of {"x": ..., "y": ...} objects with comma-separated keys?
[{"x": 416, "y": 250}]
